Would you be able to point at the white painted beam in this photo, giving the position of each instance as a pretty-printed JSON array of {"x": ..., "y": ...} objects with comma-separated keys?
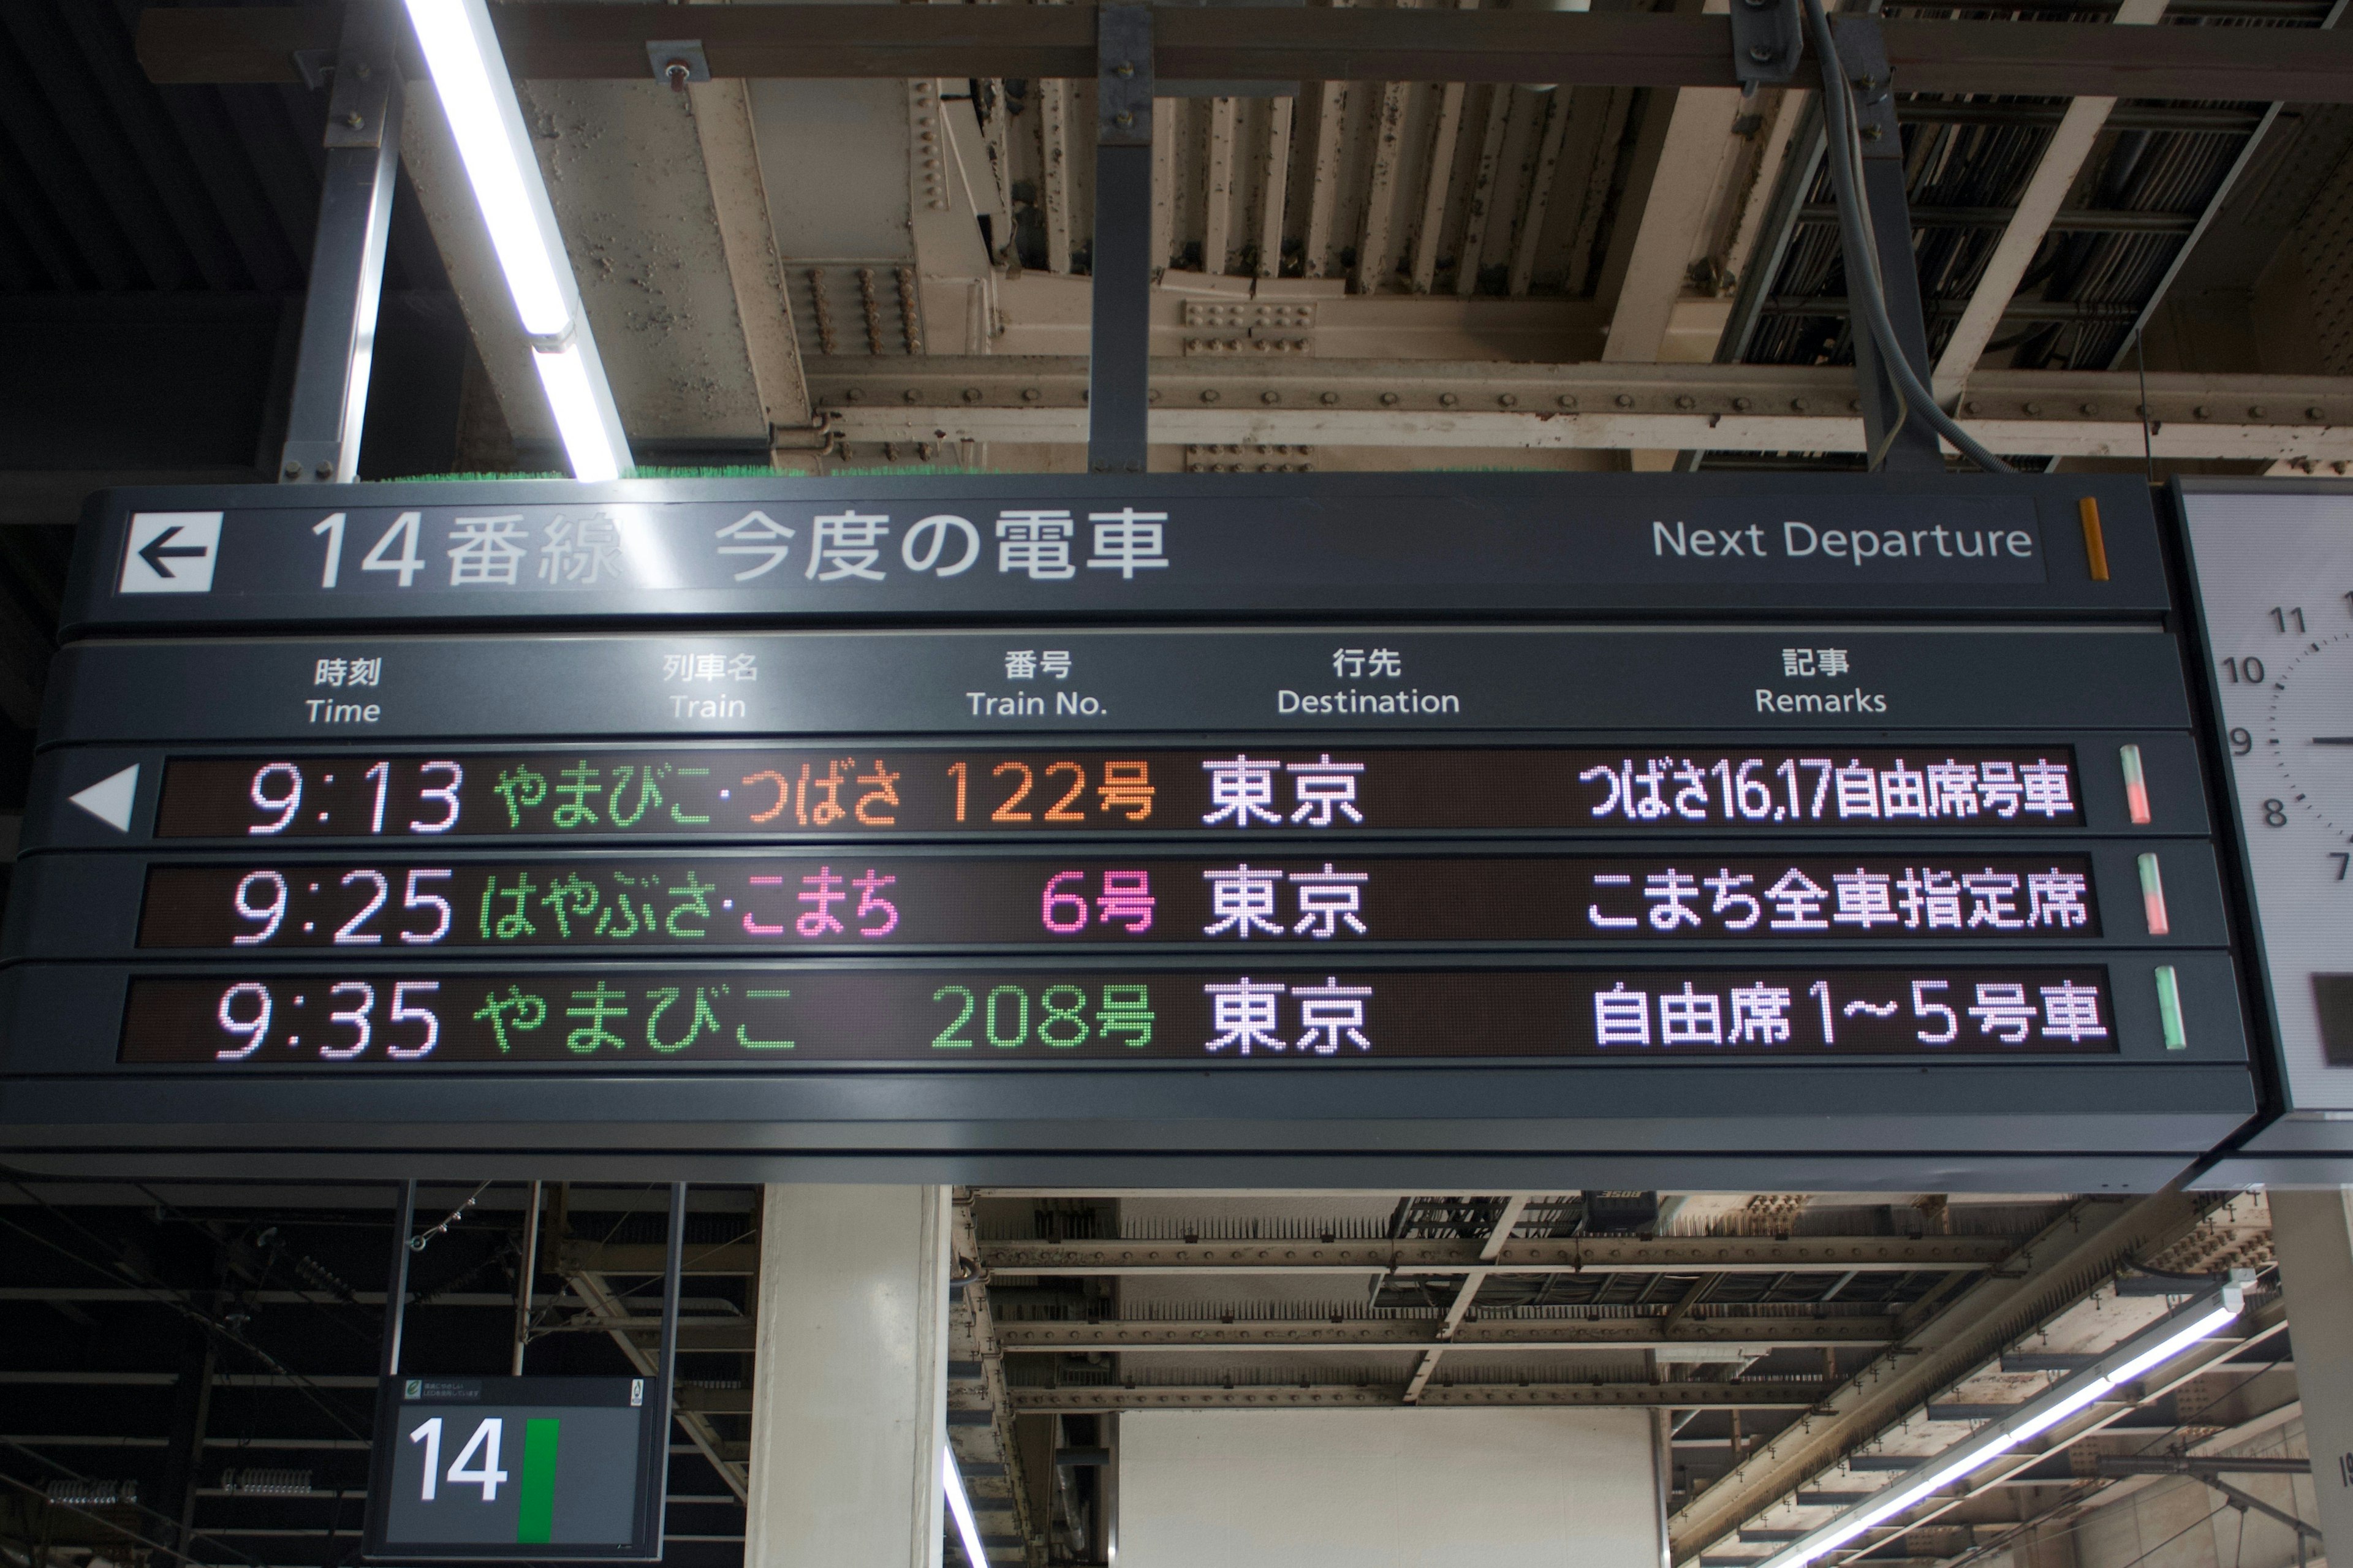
[
  {"x": 2063, "y": 158},
  {"x": 1437, "y": 187},
  {"x": 1273, "y": 185},
  {"x": 1481, "y": 210},
  {"x": 1676, "y": 214},
  {"x": 1054, "y": 158},
  {"x": 731, "y": 158},
  {"x": 1373, "y": 248},
  {"x": 1539, "y": 195},
  {"x": 1218, "y": 220},
  {"x": 1323, "y": 180},
  {"x": 1439, "y": 405},
  {"x": 1595, "y": 431}
]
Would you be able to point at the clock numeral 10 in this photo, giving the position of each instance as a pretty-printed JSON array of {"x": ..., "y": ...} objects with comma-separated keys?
[{"x": 2244, "y": 671}]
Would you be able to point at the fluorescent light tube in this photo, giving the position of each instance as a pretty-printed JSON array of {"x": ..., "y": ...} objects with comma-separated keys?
[
  {"x": 565, "y": 375},
  {"x": 2042, "y": 1421},
  {"x": 1974, "y": 1453},
  {"x": 469, "y": 74},
  {"x": 2175, "y": 1345},
  {"x": 968, "y": 1531}
]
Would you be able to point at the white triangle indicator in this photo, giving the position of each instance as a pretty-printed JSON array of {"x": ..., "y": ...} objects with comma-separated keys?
[{"x": 109, "y": 799}]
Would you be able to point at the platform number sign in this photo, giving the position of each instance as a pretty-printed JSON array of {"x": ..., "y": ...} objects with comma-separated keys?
[
  {"x": 544, "y": 1468},
  {"x": 544, "y": 1438}
]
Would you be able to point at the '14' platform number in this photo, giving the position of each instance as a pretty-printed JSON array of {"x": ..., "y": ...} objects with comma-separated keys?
[{"x": 463, "y": 1471}]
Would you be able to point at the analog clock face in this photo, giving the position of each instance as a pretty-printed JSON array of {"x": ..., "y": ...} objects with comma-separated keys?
[{"x": 2275, "y": 582}]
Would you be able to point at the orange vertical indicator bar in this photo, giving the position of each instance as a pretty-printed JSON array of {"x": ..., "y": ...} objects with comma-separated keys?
[{"x": 2095, "y": 544}]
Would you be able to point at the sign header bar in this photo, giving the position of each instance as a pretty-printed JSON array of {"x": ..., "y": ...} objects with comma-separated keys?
[{"x": 972, "y": 547}]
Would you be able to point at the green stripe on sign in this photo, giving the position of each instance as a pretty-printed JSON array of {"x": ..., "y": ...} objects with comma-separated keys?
[{"x": 537, "y": 1524}]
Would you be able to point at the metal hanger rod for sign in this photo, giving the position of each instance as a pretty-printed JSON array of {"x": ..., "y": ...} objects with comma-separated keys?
[
  {"x": 395, "y": 1298},
  {"x": 578, "y": 39},
  {"x": 1119, "y": 356},
  {"x": 673, "y": 1269},
  {"x": 529, "y": 1282},
  {"x": 337, "y": 350},
  {"x": 1869, "y": 172}
]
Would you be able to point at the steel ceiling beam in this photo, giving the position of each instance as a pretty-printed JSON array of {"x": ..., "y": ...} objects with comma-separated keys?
[
  {"x": 1759, "y": 1395},
  {"x": 1716, "y": 1337},
  {"x": 573, "y": 1257},
  {"x": 987, "y": 1456},
  {"x": 690, "y": 1410},
  {"x": 2124, "y": 117},
  {"x": 586, "y": 39},
  {"x": 2072, "y": 1258},
  {"x": 1630, "y": 1255},
  {"x": 1308, "y": 403},
  {"x": 2072, "y": 220}
]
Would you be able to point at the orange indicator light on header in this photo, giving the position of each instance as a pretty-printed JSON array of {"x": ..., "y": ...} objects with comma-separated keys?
[
  {"x": 2095, "y": 543},
  {"x": 2136, "y": 785}
]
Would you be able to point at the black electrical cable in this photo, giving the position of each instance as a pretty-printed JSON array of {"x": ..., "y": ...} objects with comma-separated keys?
[{"x": 1865, "y": 287}]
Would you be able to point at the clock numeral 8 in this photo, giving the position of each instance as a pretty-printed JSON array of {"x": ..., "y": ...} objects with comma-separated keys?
[{"x": 2274, "y": 813}]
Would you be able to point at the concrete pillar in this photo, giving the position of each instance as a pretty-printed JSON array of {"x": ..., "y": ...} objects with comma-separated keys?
[
  {"x": 849, "y": 1393},
  {"x": 2314, "y": 1234}
]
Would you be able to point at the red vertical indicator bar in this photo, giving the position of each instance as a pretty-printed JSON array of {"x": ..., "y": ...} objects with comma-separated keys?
[
  {"x": 2152, "y": 896},
  {"x": 2136, "y": 785}
]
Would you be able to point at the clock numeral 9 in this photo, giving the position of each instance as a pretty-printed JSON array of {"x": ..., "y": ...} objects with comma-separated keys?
[
  {"x": 2241, "y": 743},
  {"x": 2274, "y": 813}
]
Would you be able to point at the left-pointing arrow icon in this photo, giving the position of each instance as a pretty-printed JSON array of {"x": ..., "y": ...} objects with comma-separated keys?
[
  {"x": 170, "y": 553},
  {"x": 109, "y": 799},
  {"x": 161, "y": 549}
]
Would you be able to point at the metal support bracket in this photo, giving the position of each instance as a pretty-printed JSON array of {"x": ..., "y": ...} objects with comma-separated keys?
[
  {"x": 1862, "y": 55},
  {"x": 1768, "y": 39},
  {"x": 338, "y": 346},
  {"x": 678, "y": 61},
  {"x": 1119, "y": 346}
]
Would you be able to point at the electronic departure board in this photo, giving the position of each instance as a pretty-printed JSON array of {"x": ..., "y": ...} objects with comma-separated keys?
[
  {"x": 1823, "y": 833},
  {"x": 2274, "y": 571}
]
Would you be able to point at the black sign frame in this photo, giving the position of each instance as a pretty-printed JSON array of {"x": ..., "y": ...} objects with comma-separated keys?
[
  {"x": 648, "y": 1480},
  {"x": 1544, "y": 608}
]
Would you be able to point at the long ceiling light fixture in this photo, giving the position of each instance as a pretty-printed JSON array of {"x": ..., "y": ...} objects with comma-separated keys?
[
  {"x": 469, "y": 74},
  {"x": 960, "y": 1505},
  {"x": 2151, "y": 1348}
]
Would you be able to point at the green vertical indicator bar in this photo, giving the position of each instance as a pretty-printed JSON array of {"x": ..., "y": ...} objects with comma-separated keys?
[
  {"x": 537, "y": 1525},
  {"x": 2169, "y": 1008}
]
